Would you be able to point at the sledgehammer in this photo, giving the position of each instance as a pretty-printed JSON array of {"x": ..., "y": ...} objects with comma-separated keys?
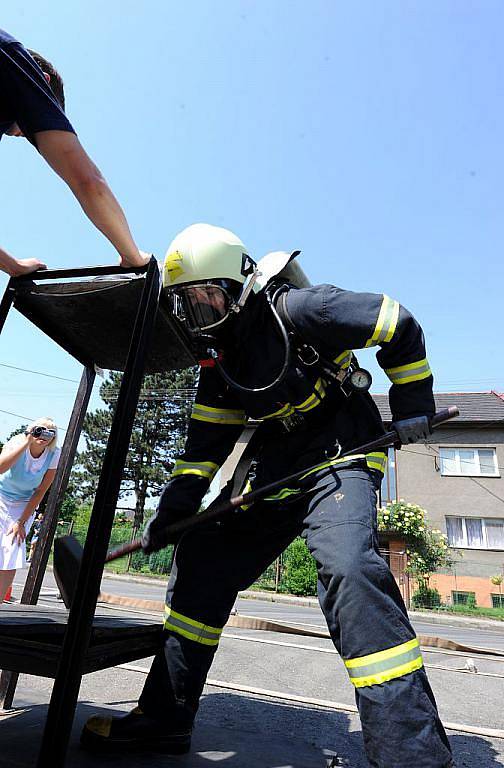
[{"x": 68, "y": 552}]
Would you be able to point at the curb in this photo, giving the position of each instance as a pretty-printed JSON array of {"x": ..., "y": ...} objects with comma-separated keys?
[
  {"x": 459, "y": 621},
  {"x": 430, "y": 617},
  {"x": 128, "y": 577}
]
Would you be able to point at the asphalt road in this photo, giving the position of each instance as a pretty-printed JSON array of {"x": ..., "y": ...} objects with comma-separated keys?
[
  {"x": 279, "y": 611},
  {"x": 286, "y": 668}
]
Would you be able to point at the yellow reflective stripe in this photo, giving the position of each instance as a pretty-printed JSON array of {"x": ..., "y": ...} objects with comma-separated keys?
[
  {"x": 403, "y": 374},
  {"x": 344, "y": 359},
  {"x": 217, "y": 415},
  {"x": 282, "y": 494},
  {"x": 390, "y": 674},
  {"x": 386, "y": 323},
  {"x": 200, "y": 468},
  {"x": 379, "y": 667},
  {"x": 314, "y": 399},
  {"x": 388, "y": 653},
  {"x": 190, "y": 628},
  {"x": 247, "y": 488},
  {"x": 331, "y": 463},
  {"x": 285, "y": 410},
  {"x": 377, "y": 460}
]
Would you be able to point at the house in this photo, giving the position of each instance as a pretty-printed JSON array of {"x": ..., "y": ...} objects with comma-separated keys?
[{"x": 457, "y": 478}]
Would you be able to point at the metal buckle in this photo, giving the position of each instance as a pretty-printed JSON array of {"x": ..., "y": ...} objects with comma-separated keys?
[
  {"x": 293, "y": 422},
  {"x": 308, "y": 355}
]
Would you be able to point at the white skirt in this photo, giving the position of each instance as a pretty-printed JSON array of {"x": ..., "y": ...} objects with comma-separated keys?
[{"x": 12, "y": 554}]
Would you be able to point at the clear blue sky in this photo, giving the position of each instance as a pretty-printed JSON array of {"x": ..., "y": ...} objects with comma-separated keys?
[{"x": 369, "y": 135}]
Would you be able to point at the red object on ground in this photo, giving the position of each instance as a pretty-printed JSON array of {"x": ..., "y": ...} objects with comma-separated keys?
[{"x": 8, "y": 594}]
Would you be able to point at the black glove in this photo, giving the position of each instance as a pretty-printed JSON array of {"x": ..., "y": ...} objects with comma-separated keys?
[
  {"x": 412, "y": 430},
  {"x": 155, "y": 535}
]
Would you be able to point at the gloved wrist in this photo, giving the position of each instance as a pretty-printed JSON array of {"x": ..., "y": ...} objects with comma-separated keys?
[
  {"x": 156, "y": 534},
  {"x": 412, "y": 430}
]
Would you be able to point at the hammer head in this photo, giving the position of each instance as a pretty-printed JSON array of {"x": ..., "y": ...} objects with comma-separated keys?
[{"x": 67, "y": 562}]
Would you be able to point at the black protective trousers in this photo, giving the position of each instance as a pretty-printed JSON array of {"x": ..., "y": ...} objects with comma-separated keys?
[{"x": 360, "y": 599}]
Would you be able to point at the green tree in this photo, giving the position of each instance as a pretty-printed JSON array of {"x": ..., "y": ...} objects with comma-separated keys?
[
  {"x": 71, "y": 503},
  {"x": 18, "y": 431},
  {"x": 159, "y": 432},
  {"x": 300, "y": 570}
]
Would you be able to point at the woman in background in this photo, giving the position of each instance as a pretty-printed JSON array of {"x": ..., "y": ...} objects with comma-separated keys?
[{"x": 27, "y": 468}]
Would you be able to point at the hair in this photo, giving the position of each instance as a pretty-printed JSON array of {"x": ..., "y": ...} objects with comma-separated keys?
[
  {"x": 55, "y": 81},
  {"x": 46, "y": 421}
]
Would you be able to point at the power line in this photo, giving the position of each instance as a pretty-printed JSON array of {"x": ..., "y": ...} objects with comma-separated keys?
[
  {"x": 38, "y": 373},
  {"x": 26, "y": 418},
  {"x": 445, "y": 382},
  {"x": 76, "y": 381}
]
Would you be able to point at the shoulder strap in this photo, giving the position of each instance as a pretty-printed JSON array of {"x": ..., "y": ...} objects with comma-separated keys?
[{"x": 307, "y": 352}]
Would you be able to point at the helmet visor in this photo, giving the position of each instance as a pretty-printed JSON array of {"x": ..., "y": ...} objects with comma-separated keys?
[{"x": 204, "y": 305}]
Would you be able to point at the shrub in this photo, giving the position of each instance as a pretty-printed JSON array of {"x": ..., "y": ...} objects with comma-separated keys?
[
  {"x": 300, "y": 571},
  {"x": 426, "y": 597},
  {"x": 140, "y": 561},
  {"x": 160, "y": 562},
  {"x": 427, "y": 547},
  {"x": 471, "y": 601}
]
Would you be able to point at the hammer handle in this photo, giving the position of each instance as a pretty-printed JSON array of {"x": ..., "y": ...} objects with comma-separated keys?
[{"x": 216, "y": 510}]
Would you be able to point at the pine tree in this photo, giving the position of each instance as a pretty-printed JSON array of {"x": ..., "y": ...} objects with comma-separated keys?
[{"x": 158, "y": 435}]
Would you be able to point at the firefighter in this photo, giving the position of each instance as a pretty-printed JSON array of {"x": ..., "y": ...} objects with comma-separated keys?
[{"x": 283, "y": 355}]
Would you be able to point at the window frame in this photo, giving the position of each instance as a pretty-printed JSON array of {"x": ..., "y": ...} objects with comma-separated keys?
[
  {"x": 500, "y": 596},
  {"x": 389, "y": 480},
  {"x": 476, "y": 448},
  {"x": 467, "y": 594},
  {"x": 466, "y": 545}
]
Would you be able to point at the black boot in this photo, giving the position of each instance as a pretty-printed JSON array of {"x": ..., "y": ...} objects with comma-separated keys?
[{"x": 137, "y": 731}]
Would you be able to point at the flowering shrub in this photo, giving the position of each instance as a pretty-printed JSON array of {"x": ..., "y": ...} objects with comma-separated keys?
[{"x": 427, "y": 549}]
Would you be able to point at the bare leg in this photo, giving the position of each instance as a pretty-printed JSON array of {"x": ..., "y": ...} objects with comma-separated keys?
[{"x": 6, "y": 579}]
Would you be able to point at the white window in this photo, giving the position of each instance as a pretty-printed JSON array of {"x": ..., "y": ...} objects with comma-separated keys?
[
  {"x": 388, "y": 486},
  {"x": 468, "y": 461},
  {"x": 475, "y": 532}
]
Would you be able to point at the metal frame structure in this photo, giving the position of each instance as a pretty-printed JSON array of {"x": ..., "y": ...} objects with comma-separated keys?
[{"x": 80, "y": 619}]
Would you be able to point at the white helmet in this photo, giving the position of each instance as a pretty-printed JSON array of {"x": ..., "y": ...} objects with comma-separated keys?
[
  {"x": 210, "y": 273},
  {"x": 203, "y": 252}
]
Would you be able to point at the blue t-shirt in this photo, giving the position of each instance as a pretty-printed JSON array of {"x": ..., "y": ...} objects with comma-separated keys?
[{"x": 25, "y": 96}]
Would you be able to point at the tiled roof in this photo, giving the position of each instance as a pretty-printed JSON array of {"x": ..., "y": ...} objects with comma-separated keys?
[{"x": 475, "y": 407}]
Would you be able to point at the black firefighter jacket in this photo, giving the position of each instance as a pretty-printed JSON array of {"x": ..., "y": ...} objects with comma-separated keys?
[{"x": 335, "y": 322}]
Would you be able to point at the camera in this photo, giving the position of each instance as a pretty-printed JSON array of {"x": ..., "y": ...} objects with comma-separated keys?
[{"x": 45, "y": 434}]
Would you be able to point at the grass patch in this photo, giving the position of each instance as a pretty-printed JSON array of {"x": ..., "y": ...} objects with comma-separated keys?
[{"x": 462, "y": 610}]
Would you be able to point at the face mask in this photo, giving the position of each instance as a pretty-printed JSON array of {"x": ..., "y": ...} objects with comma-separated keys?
[{"x": 202, "y": 306}]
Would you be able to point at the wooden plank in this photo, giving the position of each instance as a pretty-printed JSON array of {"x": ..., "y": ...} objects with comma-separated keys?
[
  {"x": 24, "y": 621},
  {"x": 29, "y": 657},
  {"x": 39, "y": 656},
  {"x": 110, "y": 654}
]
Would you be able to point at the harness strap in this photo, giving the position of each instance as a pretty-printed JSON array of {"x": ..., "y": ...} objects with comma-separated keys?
[{"x": 245, "y": 460}]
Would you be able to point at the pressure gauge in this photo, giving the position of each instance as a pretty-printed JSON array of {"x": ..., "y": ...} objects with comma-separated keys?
[{"x": 360, "y": 380}]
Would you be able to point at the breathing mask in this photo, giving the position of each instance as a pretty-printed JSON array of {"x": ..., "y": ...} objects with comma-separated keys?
[{"x": 204, "y": 306}]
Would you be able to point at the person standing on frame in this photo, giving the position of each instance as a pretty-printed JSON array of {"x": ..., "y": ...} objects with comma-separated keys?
[
  {"x": 32, "y": 104},
  {"x": 27, "y": 468}
]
